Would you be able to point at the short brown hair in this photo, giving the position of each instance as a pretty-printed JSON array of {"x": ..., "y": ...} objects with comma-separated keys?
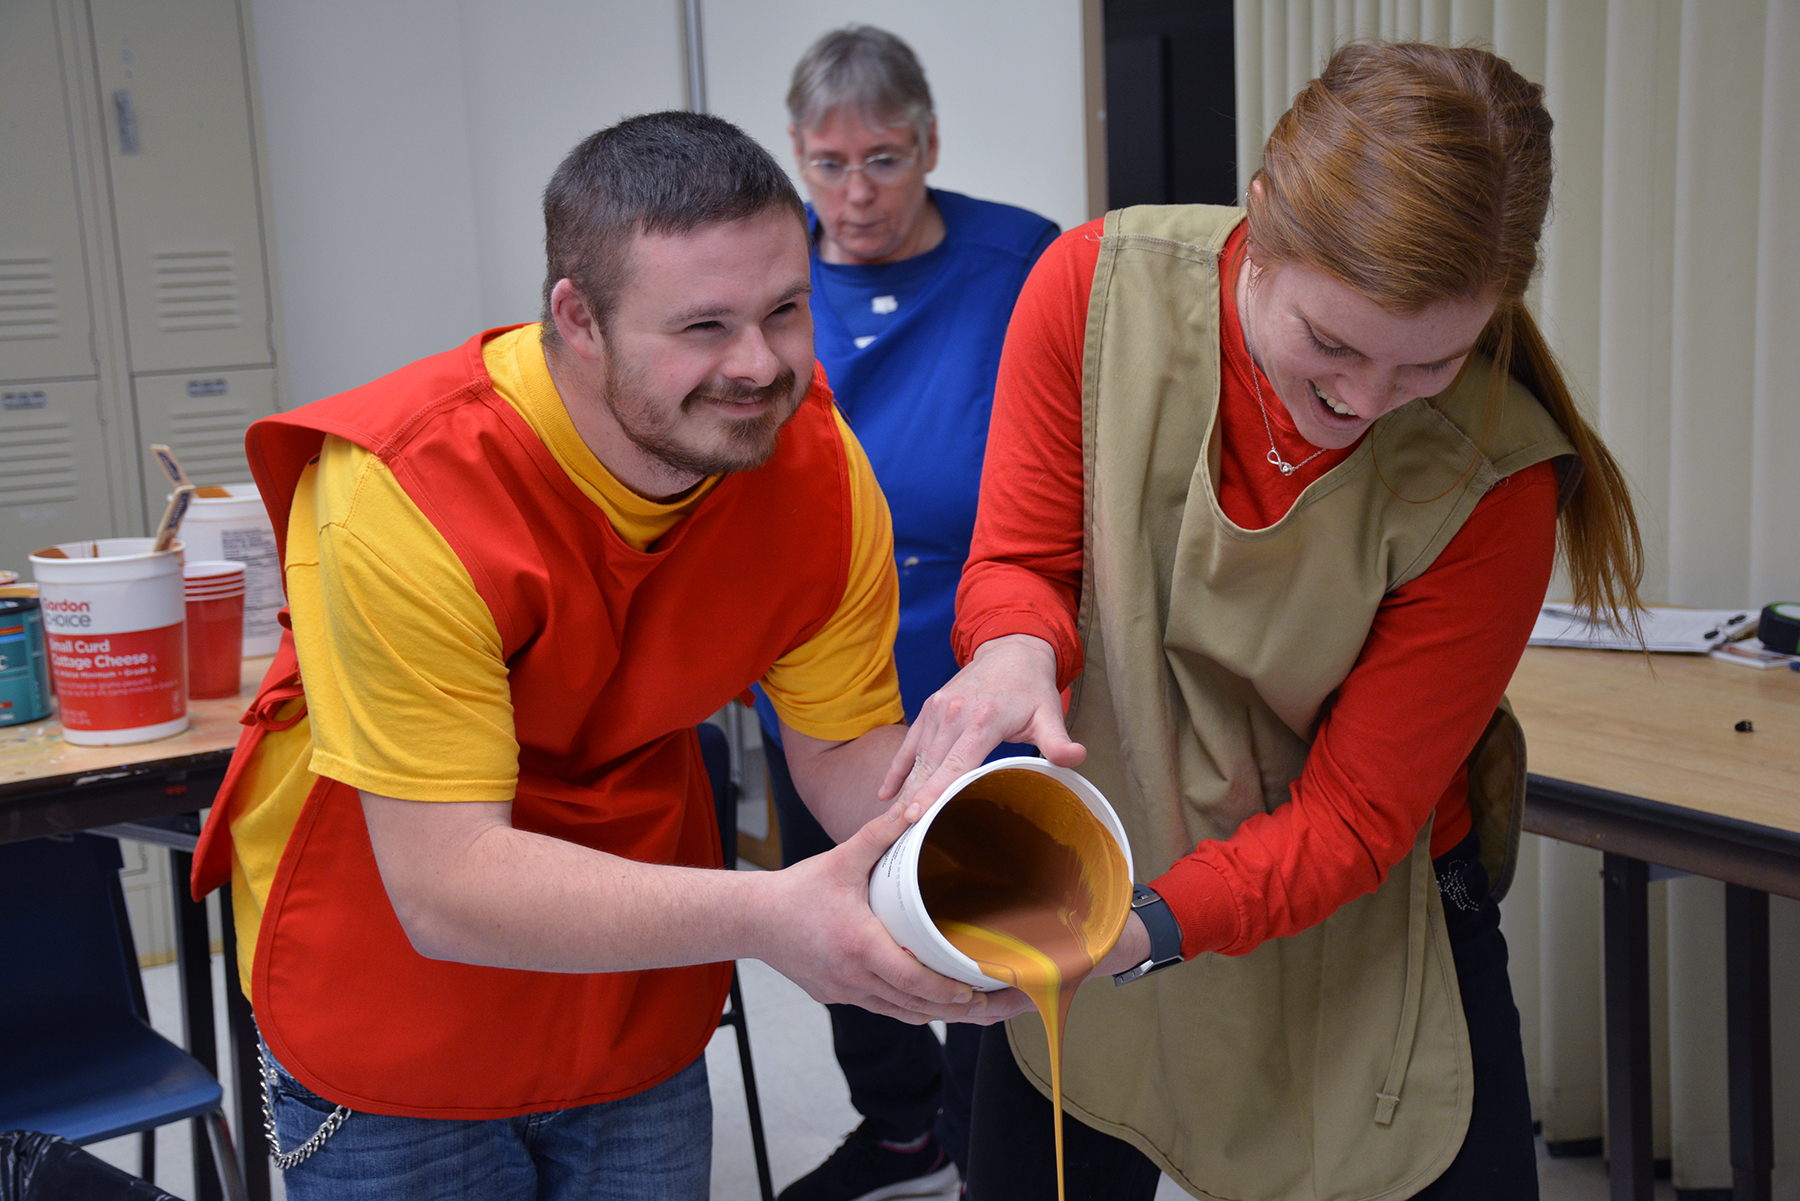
[{"x": 660, "y": 173}]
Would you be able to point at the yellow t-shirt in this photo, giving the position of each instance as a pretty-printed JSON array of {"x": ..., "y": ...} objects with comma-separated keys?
[{"x": 406, "y": 690}]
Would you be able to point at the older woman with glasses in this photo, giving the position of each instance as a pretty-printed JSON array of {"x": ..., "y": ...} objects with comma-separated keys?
[{"x": 912, "y": 289}]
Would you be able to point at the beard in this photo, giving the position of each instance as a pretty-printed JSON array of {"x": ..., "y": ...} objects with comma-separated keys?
[{"x": 744, "y": 443}]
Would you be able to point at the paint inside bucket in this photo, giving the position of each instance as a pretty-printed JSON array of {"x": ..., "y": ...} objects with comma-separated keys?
[
  {"x": 1077, "y": 857},
  {"x": 1018, "y": 852},
  {"x": 115, "y": 620},
  {"x": 1023, "y": 872}
]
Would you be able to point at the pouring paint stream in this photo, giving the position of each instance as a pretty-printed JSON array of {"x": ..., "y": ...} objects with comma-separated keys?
[
  {"x": 1019, "y": 876},
  {"x": 1049, "y": 984}
]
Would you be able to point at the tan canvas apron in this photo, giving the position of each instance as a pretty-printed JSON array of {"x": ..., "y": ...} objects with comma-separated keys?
[{"x": 1333, "y": 1064}]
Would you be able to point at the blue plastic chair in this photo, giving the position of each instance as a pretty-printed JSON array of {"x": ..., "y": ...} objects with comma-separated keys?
[{"x": 77, "y": 1055}]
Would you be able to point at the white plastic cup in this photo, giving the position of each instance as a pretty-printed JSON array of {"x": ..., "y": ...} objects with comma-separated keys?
[
  {"x": 236, "y": 528},
  {"x": 894, "y": 894},
  {"x": 115, "y": 618}
]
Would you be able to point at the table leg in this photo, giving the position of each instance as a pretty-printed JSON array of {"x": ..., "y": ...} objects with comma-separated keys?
[
  {"x": 193, "y": 950},
  {"x": 1628, "y": 1118},
  {"x": 246, "y": 1065},
  {"x": 1747, "y": 1035}
]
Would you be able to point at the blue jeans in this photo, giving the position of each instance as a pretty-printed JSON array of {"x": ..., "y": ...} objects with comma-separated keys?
[{"x": 656, "y": 1144}]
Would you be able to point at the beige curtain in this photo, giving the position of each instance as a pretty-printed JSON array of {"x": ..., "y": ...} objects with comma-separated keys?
[{"x": 1671, "y": 289}]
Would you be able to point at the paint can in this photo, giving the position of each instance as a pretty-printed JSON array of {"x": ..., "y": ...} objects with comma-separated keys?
[
  {"x": 236, "y": 527},
  {"x": 1018, "y": 831},
  {"x": 115, "y": 619},
  {"x": 24, "y": 657}
]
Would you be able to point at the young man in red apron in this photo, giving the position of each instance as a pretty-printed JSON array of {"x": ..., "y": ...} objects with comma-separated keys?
[{"x": 469, "y": 830}]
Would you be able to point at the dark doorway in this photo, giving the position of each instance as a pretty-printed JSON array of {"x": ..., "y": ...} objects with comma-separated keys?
[{"x": 1171, "y": 102}]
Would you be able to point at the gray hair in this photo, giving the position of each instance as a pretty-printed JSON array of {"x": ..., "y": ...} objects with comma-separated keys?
[{"x": 867, "y": 71}]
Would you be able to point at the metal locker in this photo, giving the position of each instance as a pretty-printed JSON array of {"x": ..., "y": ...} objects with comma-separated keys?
[
  {"x": 53, "y": 480},
  {"x": 201, "y": 416},
  {"x": 53, "y": 460},
  {"x": 46, "y": 321},
  {"x": 181, "y": 165}
]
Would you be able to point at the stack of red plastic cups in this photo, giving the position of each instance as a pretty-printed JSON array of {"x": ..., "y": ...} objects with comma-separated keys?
[{"x": 215, "y": 627}]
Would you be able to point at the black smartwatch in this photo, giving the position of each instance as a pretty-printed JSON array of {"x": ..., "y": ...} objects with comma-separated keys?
[{"x": 1164, "y": 931}]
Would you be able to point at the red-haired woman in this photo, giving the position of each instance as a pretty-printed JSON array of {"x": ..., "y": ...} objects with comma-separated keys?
[{"x": 1274, "y": 493}]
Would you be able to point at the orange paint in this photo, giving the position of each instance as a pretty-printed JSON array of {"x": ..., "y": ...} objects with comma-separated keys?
[{"x": 1019, "y": 876}]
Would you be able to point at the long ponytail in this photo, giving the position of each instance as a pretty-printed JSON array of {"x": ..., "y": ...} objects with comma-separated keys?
[{"x": 1601, "y": 551}]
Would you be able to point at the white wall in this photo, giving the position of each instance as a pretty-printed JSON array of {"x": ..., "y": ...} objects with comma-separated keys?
[
  {"x": 1005, "y": 77},
  {"x": 408, "y": 142},
  {"x": 540, "y": 77},
  {"x": 369, "y": 171}
]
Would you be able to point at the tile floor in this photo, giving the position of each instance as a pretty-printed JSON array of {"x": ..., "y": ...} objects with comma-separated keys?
[{"x": 806, "y": 1107}]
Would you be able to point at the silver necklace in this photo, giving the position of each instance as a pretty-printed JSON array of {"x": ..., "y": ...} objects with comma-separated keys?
[{"x": 1274, "y": 456}]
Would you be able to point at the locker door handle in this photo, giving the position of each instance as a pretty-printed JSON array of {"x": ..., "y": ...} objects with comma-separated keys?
[{"x": 128, "y": 131}]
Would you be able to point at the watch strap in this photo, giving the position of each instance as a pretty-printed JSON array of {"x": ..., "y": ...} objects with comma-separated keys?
[{"x": 1163, "y": 929}]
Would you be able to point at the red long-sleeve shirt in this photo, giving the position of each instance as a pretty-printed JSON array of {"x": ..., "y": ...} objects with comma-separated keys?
[{"x": 1434, "y": 665}]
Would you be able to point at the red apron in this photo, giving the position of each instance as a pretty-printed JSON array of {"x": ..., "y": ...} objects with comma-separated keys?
[{"x": 613, "y": 656}]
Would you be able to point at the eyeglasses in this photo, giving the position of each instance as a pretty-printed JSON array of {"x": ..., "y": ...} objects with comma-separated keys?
[{"x": 878, "y": 169}]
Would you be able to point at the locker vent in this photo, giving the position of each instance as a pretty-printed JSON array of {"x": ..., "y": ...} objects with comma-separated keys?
[
  {"x": 37, "y": 460},
  {"x": 196, "y": 289},
  {"x": 210, "y": 442},
  {"x": 28, "y": 299}
]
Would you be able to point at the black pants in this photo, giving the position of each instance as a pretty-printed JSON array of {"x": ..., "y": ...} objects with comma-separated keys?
[
  {"x": 1012, "y": 1153},
  {"x": 901, "y": 1077}
]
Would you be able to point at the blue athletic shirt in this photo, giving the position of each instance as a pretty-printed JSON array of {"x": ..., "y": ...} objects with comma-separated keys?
[
  {"x": 918, "y": 391},
  {"x": 868, "y": 300}
]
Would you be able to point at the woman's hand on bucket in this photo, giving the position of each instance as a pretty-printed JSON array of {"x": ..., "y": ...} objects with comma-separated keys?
[
  {"x": 822, "y": 936},
  {"x": 1007, "y": 693},
  {"x": 1132, "y": 949}
]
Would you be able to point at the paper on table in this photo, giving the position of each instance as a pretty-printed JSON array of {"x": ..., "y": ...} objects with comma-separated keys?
[
  {"x": 1689, "y": 631},
  {"x": 1752, "y": 653}
]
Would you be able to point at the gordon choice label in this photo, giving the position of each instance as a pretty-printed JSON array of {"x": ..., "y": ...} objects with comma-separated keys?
[
  {"x": 121, "y": 681},
  {"x": 118, "y": 651}
]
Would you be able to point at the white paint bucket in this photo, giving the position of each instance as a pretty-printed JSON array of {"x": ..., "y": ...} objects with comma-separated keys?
[
  {"x": 894, "y": 886},
  {"x": 116, "y": 620},
  {"x": 236, "y": 527}
]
